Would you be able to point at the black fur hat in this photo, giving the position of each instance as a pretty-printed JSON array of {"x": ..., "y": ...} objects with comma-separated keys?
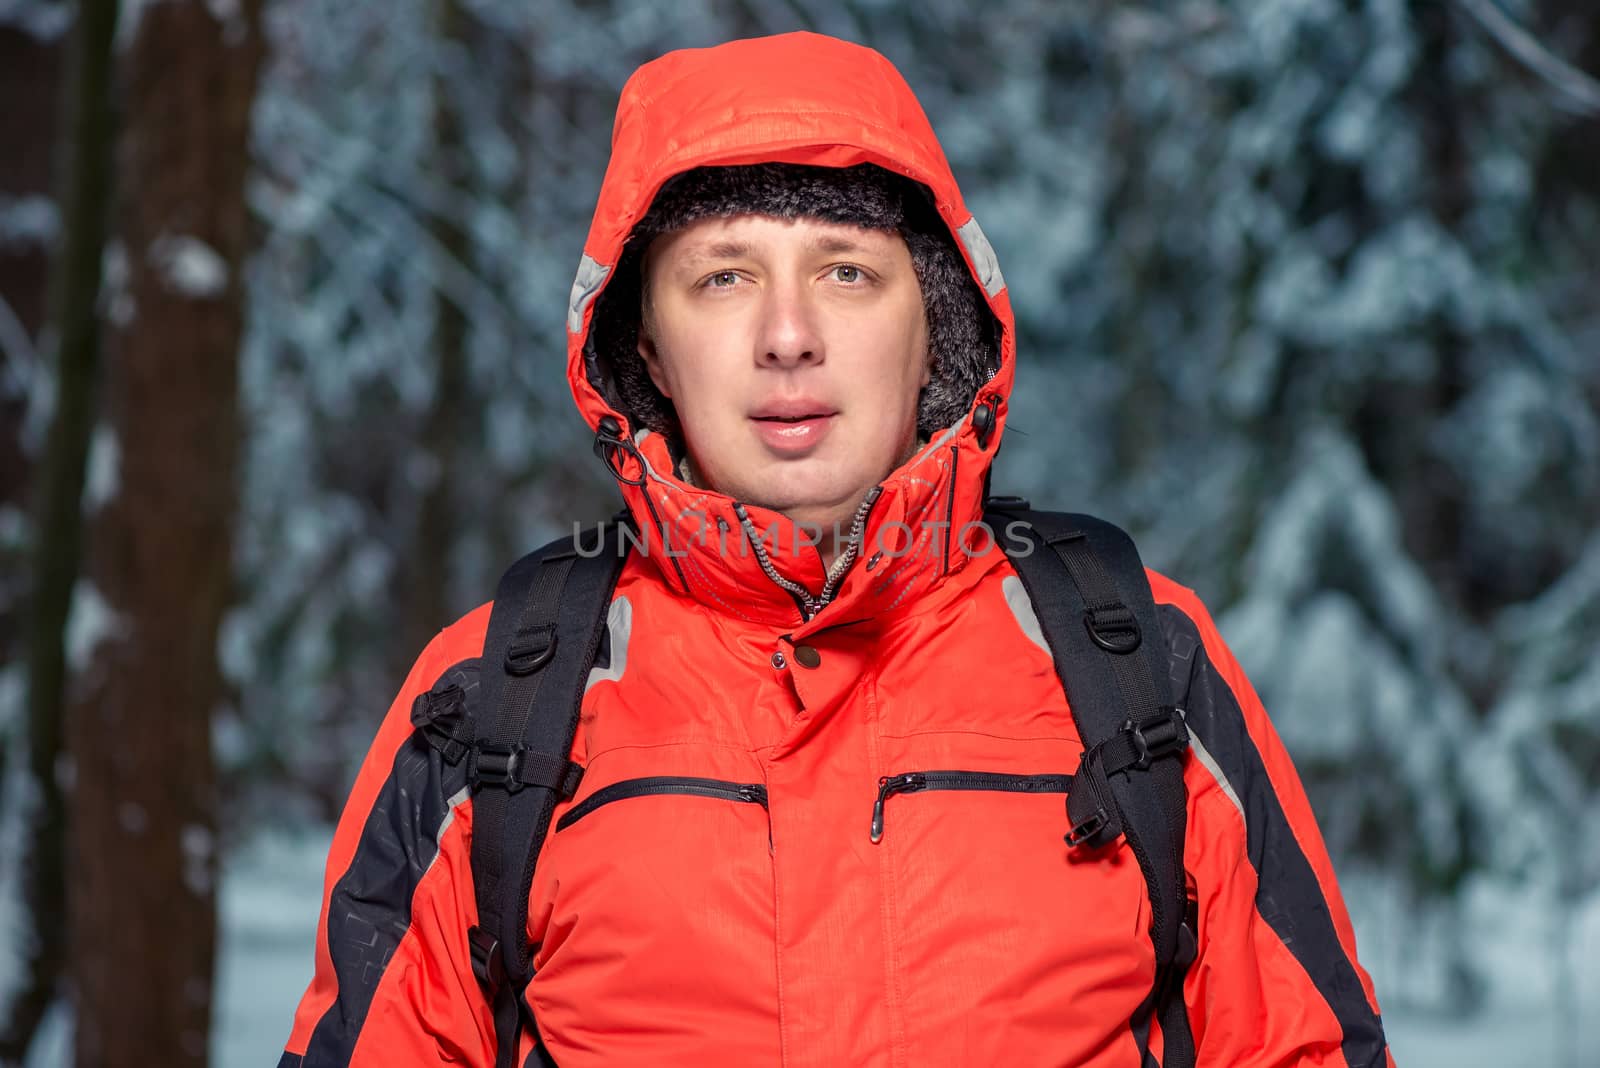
[{"x": 963, "y": 334}]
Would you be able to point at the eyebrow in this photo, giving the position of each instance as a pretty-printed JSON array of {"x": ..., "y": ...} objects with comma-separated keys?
[
  {"x": 834, "y": 245},
  {"x": 728, "y": 249},
  {"x": 719, "y": 250}
]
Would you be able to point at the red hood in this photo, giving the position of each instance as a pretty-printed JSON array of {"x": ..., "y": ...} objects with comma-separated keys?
[{"x": 795, "y": 98}]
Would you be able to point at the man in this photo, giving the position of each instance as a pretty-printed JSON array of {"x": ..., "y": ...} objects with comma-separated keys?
[{"x": 820, "y": 816}]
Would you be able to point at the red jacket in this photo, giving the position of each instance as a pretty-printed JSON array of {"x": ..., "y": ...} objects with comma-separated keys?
[{"x": 770, "y": 928}]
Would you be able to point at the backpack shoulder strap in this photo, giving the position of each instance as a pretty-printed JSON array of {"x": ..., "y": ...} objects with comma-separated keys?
[
  {"x": 1093, "y": 601},
  {"x": 544, "y": 630}
]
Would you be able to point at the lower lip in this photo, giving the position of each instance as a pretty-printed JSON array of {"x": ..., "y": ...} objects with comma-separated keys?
[{"x": 795, "y": 437}]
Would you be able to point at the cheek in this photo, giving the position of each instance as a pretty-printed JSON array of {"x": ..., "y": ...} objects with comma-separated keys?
[
  {"x": 677, "y": 351},
  {"x": 703, "y": 395}
]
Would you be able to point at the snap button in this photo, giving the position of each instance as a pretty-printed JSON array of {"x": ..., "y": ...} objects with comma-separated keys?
[
  {"x": 807, "y": 656},
  {"x": 778, "y": 661}
]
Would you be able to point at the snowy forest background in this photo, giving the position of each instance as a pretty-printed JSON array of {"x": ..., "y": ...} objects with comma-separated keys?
[{"x": 1308, "y": 296}]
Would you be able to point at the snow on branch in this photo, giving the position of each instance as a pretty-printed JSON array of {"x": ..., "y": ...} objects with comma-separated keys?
[
  {"x": 44, "y": 22},
  {"x": 1579, "y": 91}
]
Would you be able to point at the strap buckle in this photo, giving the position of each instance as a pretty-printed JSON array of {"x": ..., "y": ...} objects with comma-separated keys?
[
  {"x": 1188, "y": 942},
  {"x": 1090, "y": 830},
  {"x": 438, "y": 717},
  {"x": 1158, "y": 737},
  {"x": 488, "y": 963},
  {"x": 1091, "y": 809},
  {"x": 496, "y": 765},
  {"x": 511, "y": 767}
]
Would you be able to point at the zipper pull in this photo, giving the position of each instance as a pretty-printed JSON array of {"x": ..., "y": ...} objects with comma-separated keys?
[
  {"x": 893, "y": 784},
  {"x": 756, "y": 794}
]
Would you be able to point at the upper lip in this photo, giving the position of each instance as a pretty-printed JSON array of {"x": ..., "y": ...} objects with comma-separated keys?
[{"x": 793, "y": 408}]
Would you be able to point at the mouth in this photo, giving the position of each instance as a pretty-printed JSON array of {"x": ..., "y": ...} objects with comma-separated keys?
[
  {"x": 795, "y": 411},
  {"x": 795, "y": 428}
]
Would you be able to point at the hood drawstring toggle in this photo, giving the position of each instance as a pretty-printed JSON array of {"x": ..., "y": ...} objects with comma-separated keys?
[{"x": 610, "y": 444}]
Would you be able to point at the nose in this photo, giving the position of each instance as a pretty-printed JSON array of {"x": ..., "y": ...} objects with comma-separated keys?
[{"x": 788, "y": 334}]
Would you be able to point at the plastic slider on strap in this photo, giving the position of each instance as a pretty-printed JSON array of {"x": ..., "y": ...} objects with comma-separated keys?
[
  {"x": 510, "y": 768},
  {"x": 1093, "y": 831},
  {"x": 1091, "y": 810},
  {"x": 1113, "y": 627},
  {"x": 487, "y": 962},
  {"x": 495, "y": 765},
  {"x": 531, "y": 650},
  {"x": 1188, "y": 944},
  {"x": 1158, "y": 737}
]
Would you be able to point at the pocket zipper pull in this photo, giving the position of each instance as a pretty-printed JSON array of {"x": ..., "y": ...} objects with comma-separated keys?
[{"x": 893, "y": 784}]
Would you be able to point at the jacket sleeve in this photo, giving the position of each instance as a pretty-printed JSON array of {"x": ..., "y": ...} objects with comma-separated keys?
[
  {"x": 1276, "y": 981},
  {"x": 393, "y": 982}
]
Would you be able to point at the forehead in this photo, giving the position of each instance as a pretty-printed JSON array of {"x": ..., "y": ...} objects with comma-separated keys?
[{"x": 762, "y": 235}]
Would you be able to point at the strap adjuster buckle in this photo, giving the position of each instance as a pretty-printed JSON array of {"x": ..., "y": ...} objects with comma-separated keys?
[
  {"x": 487, "y": 962},
  {"x": 1156, "y": 738},
  {"x": 438, "y": 717},
  {"x": 496, "y": 765},
  {"x": 1088, "y": 831},
  {"x": 1188, "y": 946},
  {"x": 510, "y": 768}
]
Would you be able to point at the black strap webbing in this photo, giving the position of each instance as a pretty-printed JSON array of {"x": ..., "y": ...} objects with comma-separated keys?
[
  {"x": 544, "y": 630},
  {"x": 1093, "y": 602}
]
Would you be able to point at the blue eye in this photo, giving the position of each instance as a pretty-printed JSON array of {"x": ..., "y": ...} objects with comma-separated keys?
[{"x": 722, "y": 279}]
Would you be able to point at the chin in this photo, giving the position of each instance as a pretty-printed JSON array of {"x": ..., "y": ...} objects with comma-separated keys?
[{"x": 805, "y": 500}]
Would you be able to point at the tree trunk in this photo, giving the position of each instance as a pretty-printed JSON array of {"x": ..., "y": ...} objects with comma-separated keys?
[
  {"x": 32, "y": 77},
  {"x": 143, "y": 904},
  {"x": 425, "y": 594},
  {"x": 82, "y": 191}
]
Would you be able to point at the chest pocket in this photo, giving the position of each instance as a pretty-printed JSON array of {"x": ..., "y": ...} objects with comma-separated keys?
[
  {"x": 653, "y": 912},
  {"x": 1005, "y": 937}
]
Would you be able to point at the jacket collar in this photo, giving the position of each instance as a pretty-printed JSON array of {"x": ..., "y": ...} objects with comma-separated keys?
[{"x": 921, "y": 524}]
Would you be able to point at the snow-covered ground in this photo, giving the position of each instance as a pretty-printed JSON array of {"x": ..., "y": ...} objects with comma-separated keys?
[{"x": 271, "y": 890}]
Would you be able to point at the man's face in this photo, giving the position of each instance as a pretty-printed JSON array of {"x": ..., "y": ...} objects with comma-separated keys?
[{"x": 794, "y": 352}]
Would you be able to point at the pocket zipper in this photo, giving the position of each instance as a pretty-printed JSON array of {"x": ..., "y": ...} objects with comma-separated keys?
[
  {"x": 913, "y": 781},
  {"x": 752, "y": 793}
]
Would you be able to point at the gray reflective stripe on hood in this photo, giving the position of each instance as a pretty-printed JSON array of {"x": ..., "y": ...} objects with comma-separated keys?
[
  {"x": 982, "y": 255},
  {"x": 591, "y": 274}
]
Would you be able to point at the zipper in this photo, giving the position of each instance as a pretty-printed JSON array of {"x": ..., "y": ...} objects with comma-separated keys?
[
  {"x": 750, "y": 793},
  {"x": 809, "y": 605},
  {"x": 802, "y": 596},
  {"x": 858, "y": 526},
  {"x": 915, "y": 781}
]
